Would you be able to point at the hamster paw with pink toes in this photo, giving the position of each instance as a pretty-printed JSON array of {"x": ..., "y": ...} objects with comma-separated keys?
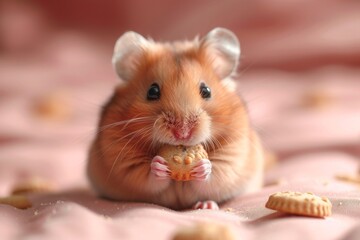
[
  {"x": 160, "y": 168},
  {"x": 206, "y": 205},
  {"x": 202, "y": 170}
]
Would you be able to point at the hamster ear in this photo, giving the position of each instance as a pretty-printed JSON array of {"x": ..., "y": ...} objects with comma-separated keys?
[
  {"x": 223, "y": 47},
  {"x": 127, "y": 52}
]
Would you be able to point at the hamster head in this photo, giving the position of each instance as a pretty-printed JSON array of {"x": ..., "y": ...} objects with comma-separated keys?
[{"x": 177, "y": 87}]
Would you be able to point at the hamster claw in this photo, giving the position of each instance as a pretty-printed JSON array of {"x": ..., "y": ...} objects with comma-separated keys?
[
  {"x": 206, "y": 205},
  {"x": 201, "y": 170},
  {"x": 159, "y": 168}
]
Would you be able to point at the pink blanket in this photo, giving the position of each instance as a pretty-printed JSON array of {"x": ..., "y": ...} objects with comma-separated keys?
[{"x": 300, "y": 76}]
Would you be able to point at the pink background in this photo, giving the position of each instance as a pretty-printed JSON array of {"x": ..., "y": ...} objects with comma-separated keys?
[{"x": 292, "y": 51}]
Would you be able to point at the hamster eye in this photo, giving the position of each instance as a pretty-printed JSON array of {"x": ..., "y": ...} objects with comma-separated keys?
[
  {"x": 153, "y": 92},
  {"x": 205, "y": 91}
]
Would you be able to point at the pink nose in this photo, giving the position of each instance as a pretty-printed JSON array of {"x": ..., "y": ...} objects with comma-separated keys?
[{"x": 182, "y": 133}]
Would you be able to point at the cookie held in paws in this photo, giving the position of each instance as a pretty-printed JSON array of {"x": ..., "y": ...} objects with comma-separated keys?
[{"x": 181, "y": 159}]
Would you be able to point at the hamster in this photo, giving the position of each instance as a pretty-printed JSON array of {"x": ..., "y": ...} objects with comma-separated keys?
[{"x": 175, "y": 93}]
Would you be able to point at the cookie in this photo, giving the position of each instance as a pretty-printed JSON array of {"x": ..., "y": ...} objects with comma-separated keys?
[
  {"x": 18, "y": 201},
  {"x": 317, "y": 99},
  {"x": 181, "y": 159},
  {"x": 271, "y": 160},
  {"x": 349, "y": 178},
  {"x": 205, "y": 231},
  {"x": 53, "y": 106},
  {"x": 33, "y": 185},
  {"x": 306, "y": 204}
]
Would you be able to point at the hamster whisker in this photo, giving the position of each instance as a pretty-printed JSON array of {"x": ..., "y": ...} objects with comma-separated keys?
[
  {"x": 125, "y": 122},
  {"x": 210, "y": 144},
  {"x": 217, "y": 144},
  {"x": 117, "y": 140},
  {"x": 155, "y": 133},
  {"x": 135, "y": 134},
  {"x": 96, "y": 131},
  {"x": 116, "y": 159},
  {"x": 145, "y": 133},
  {"x": 229, "y": 138},
  {"x": 88, "y": 134},
  {"x": 240, "y": 133}
]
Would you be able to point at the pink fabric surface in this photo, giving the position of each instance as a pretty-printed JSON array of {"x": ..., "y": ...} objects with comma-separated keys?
[
  {"x": 291, "y": 54},
  {"x": 56, "y": 151}
]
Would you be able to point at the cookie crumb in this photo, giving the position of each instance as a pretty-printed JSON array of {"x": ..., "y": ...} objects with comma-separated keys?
[
  {"x": 18, "y": 201},
  {"x": 53, "y": 106},
  {"x": 271, "y": 160},
  {"x": 317, "y": 99},
  {"x": 33, "y": 185},
  {"x": 205, "y": 231},
  {"x": 349, "y": 178}
]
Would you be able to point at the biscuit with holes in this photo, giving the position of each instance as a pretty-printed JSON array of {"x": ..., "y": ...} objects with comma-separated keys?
[
  {"x": 305, "y": 204},
  {"x": 181, "y": 159}
]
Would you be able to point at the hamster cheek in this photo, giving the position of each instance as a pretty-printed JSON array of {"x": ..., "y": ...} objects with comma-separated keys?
[
  {"x": 202, "y": 131},
  {"x": 162, "y": 129}
]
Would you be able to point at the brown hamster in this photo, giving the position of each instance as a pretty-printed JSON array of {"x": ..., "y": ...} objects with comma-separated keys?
[{"x": 178, "y": 94}]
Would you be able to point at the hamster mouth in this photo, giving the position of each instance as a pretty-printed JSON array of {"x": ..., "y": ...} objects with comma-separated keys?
[
  {"x": 185, "y": 143},
  {"x": 182, "y": 134},
  {"x": 187, "y": 139},
  {"x": 190, "y": 139}
]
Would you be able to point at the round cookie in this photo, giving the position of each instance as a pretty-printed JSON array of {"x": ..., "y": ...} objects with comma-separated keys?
[
  {"x": 32, "y": 185},
  {"x": 306, "y": 204},
  {"x": 181, "y": 159}
]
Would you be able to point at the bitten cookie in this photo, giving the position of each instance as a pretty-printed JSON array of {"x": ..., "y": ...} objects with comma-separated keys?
[
  {"x": 181, "y": 159},
  {"x": 306, "y": 204}
]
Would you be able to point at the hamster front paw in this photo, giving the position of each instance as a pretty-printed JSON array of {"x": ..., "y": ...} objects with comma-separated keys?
[
  {"x": 206, "y": 205},
  {"x": 159, "y": 168},
  {"x": 202, "y": 170}
]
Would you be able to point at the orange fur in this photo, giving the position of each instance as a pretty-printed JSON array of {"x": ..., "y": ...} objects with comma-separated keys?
[{"x": 120, "y": 156}]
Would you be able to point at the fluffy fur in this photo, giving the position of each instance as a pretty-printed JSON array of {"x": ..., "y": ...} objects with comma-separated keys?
[{"x": 132, "y": 128}]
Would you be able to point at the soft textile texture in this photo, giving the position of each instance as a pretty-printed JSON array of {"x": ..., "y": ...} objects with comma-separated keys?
[{"x": 300, "y": 77}]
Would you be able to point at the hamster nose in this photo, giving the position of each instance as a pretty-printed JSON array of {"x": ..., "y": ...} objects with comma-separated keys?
[{"x": 182, "y": 133}]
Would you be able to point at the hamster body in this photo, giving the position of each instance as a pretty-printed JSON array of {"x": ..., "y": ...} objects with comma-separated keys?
[{"x": 175, "y": 93}]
